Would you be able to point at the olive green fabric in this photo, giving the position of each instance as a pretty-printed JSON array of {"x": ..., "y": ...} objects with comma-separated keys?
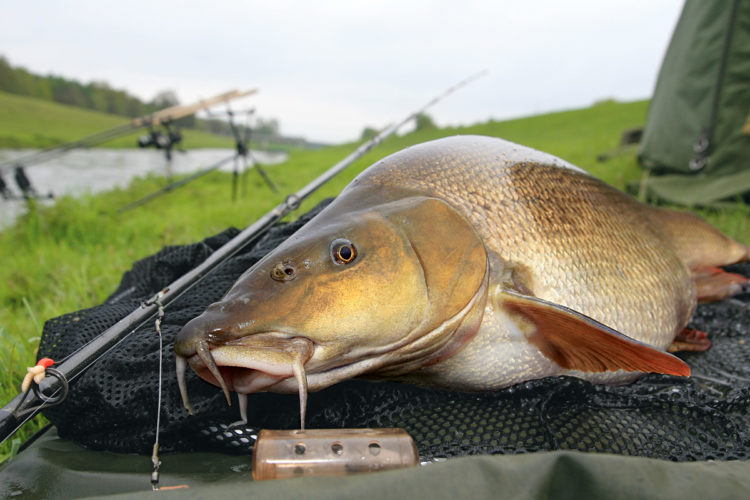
[
  {"x": 57, "y": 468},
  {"x": 693, "y": 140},
  {"x": 698, "y": 189}
]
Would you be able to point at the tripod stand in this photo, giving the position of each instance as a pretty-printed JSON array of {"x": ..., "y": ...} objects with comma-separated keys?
[
  {"x": 242, "y": 152},
  {"x": 242, "y": 141}
]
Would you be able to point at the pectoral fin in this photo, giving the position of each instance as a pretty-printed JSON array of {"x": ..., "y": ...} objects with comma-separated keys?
[{"x": 577, "y": 342}]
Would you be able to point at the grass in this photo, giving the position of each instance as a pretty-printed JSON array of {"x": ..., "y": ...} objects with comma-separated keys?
[{"x": 72, "y": 255}]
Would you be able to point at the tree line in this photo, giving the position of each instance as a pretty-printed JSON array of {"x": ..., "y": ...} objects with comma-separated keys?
[
  {"x": 97, "y": 96},
  {"x": 100, "y": 96}
]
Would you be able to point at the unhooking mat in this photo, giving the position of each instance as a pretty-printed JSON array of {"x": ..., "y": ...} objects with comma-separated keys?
[
  {"x": 112, "y": 406},
  {"x": 54, "y": 468}
]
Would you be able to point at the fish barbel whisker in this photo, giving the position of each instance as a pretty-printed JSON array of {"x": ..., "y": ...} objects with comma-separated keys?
[
  {"x": 204, "y": 353},
  {"x": 181, "y": 366},
  {"x": 301, "y": 376},
  {"x": 242, "y": 398}
]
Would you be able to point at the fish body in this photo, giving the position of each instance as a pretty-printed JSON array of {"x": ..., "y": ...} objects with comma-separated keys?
[{"x": 469, "y": 263}]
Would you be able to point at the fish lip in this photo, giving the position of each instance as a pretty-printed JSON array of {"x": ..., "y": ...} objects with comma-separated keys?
[
  {"x": 229, "y": 364},
  {"x": 331, "y": 375},
  {"x": 257, "y": 337}
]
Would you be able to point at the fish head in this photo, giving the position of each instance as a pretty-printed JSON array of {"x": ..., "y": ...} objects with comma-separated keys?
[{"x": 355, "y": 291}]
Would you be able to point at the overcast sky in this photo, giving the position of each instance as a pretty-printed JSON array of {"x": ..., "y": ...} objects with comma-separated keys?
[{"x": 327, "y": 69}]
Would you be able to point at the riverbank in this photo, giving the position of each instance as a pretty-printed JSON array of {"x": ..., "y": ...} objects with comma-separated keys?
[{"x": 89, "y": 171}]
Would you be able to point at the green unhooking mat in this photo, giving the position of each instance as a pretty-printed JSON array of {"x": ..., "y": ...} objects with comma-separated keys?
[
  {"x": 703, "y": 421},
  {"x": 55, "y": 468}
]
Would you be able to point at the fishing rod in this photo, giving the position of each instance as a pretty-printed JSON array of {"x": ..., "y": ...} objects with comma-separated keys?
[
  {"x": 242, "y": 151},
  {"x": 157, "y": 118},
  {"x": 53, "y": 388}
]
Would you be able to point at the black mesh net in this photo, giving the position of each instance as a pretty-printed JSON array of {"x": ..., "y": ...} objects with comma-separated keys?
[{"x": 112, "y": 406}]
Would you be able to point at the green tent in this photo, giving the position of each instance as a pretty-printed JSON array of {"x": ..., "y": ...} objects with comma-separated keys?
[{"x": 696, "y": 143}]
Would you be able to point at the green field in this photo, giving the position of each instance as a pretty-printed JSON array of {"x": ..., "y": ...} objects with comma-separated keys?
[{"x": 71, "y": 256}]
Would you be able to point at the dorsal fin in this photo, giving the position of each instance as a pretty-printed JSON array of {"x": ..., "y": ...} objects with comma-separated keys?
[{"x": 576, "y": 342}]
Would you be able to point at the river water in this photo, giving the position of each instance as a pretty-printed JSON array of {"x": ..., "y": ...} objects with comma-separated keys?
[{"x": 94, "y": 170}]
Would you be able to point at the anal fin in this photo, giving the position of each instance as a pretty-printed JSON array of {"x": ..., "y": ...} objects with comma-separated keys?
[
  {"x": 576, "y": 342},
  {"x": 690, "y": 340}
]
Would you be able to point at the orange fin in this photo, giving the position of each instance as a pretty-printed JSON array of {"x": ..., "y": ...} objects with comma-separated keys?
[
  {"x": 577, "y": 342},
  {"x": 713, "y": 283},
  {"x": 690, "y": 340}
]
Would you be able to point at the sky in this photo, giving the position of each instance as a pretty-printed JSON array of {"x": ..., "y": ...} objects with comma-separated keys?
[{"x": 327, "y": 69}]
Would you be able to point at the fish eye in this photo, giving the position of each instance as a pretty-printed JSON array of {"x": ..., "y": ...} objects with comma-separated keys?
[{"x": 343, "y": 251}]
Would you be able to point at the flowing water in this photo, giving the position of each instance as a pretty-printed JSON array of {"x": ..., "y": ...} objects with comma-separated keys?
[{"x": 93, "y": 170}]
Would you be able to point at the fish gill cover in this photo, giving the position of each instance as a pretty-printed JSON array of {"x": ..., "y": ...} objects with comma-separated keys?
[{"x": 112, "y": 406}]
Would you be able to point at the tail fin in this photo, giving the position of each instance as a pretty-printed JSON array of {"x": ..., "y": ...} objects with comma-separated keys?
[{"x": 696, "y": 242}]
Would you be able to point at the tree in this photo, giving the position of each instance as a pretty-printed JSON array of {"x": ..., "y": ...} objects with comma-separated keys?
[
  {"x": 368, "y": 133},
  {"x": 267, "y": 127},
  {"x": 7, "y": 76},
  {"x": 67, "y": 92},
  {"x": 42, "y": 88},
  {"x": 23, "y": 82},
  {"x": 168, "y": 99},
  {"x": 96, "y": 95},
  {"x": 424, "y": 122},
  {"x": 165, "y": 99}
]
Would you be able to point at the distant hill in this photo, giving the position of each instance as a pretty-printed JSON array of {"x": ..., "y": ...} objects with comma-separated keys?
[
  {"x": 95, "y": 95},
  {"x": 27, "y": 122},
  {"x": 99, "y": 96}
]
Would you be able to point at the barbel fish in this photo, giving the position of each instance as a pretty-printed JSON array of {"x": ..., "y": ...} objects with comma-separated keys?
[{"x": 468, "y": 263}]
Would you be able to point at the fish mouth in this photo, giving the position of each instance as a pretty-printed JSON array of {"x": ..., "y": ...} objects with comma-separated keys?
[
  {"x": 269, "y": 361},
  {"x": 253, "y": 363}
]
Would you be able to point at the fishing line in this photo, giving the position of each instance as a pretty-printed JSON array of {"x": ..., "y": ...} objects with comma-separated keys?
[
  {"x": 57, "y": 397},
  {"x": 155, "y": 460},
  {"x": 155, "y": 454}
]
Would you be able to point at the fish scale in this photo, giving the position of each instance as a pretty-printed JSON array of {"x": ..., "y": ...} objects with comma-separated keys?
[{"x": 553, "y": 208}]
